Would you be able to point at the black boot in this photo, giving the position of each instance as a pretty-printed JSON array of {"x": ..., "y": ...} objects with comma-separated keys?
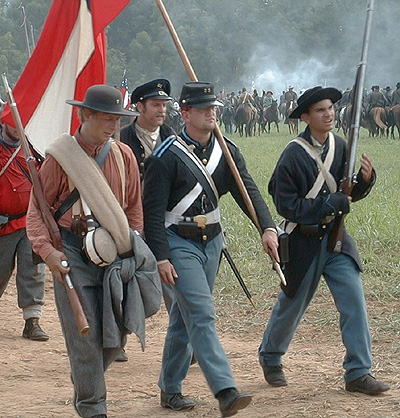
[
  {"x": 33, "y": 331},
  {"x": 231, "y": 401}
]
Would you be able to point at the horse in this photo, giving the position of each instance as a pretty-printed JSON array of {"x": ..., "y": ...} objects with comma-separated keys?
[
  {"x": 269, "y": 115},
  {"x": 245, "y": 116},
  {"x": 282, "y": 109},
  {"x": 292, "y": 123},
  {"x": 377, "y": 116},
  {"x": 396, "y": 117}
]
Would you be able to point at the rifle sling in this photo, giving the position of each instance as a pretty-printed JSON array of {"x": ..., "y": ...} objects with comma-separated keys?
[
  {"x": 74, "y": 195},
  {"x": 26, "y": 174}
]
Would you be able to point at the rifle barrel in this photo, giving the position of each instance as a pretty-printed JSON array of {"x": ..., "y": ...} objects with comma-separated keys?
[{"x": 51, "y": 224}]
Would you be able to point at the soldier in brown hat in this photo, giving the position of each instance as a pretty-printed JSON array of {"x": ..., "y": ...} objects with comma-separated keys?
[
  {"x": 305, "y": 189},
  {"x": 97, "y": 166}
]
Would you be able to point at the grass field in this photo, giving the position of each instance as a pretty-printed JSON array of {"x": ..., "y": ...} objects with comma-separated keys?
[{"x": 373, "y": 222}]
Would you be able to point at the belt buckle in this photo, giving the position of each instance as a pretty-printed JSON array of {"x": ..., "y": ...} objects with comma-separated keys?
[{"x": 201, "y": 220}]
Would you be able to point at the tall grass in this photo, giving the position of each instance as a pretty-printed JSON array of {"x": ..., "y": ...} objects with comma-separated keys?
[{"x": 373, "y": 222}]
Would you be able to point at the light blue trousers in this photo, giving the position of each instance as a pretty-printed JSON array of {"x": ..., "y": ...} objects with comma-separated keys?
[
  {"x": 30, "y": 278},
  {"x": 192, "y": 319},
  {"x": 343, "y": 279}
]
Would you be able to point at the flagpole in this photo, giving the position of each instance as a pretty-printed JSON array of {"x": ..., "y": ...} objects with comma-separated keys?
[{"x": 231, "y": 163}]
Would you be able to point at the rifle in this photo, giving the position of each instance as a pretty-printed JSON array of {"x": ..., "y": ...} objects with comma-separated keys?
[
  {"x": 228, "y": 157},
  {"x": 349, "y": 176},
  {"x": 51, "y": 224}
]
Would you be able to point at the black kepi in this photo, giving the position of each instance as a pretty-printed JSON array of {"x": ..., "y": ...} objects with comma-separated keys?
[
  {"x": 198, "y": 94},
  {"x": 155, "y": 89}
]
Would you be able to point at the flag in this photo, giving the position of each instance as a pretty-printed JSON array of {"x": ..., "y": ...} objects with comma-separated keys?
[
  {"x": 123, "y": 88},
  {"x": 69, "y": 57}
]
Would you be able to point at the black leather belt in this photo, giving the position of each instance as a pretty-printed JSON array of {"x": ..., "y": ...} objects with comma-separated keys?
[{"x": 196, "y": 234}]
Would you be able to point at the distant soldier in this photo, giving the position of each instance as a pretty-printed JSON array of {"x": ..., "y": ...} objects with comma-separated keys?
[
  {"x": 396, "y": 95},
  {"x": 375, "y": 99},
  {"x": 290, "y": 95},
  {"x": 388, "y": 95},
  {"x": 245, "y": 97},
  {"x": 268, "y": 99}
]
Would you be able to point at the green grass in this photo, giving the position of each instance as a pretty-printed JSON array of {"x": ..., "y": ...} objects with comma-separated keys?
[{"x": 373, "y": 222}]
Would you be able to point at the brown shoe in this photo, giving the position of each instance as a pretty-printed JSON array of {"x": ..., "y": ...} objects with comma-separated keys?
[
  {"x": 274, "y": 375},
  {"x": 367, "y": 384},
  {"x": 33, "y": 331},
  {"x": 231, "y": 401}
]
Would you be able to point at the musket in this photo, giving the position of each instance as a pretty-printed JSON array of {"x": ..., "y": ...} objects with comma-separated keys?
[
  {"x": 349, "y": 177},
  {"x": 51, "y": 224},
  {"x": 228, "y": 157}
]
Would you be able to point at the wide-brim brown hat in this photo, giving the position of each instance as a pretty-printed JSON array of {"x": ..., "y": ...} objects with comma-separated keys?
[
  {"x": 312, "y": 96},
  {"x": 198, "y": 94},
  {"x": 103, "y": 98}
]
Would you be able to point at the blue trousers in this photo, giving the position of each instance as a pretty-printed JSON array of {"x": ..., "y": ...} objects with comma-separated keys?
[
  {"x": 192, "y": 319},
  {"x": 343, "y": 279},
  {"x": 30, "y": 278}
]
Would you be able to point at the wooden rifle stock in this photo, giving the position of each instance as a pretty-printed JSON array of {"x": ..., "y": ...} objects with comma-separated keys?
[
  {"x": 349, "y": 176},
  {"x": 51, "y": 224},
  {"x": 228, "y": 157}
]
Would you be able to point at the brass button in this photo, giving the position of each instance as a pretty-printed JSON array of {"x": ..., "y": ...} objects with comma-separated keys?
[
  {"x": 204, "y": 150},
  {"x": 320, "y": 238},
  {"x": 324, "y": 191},
  {"x": 142, "y": 155},
  {"x": 323, "y": 227},
  {"x": 204, "y": 196},
  {"x": 204, "y": 237},
  {"x": 340, "y": 212},
  {"x": 141, "y": 174},
  {"x": 333, "y": 213},
  {"x": 204, "y": 161},
  {"x": 141, "y": 164}
]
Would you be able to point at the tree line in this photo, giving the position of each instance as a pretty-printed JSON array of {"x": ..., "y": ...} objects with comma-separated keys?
[{"x": 229, "y": 42}]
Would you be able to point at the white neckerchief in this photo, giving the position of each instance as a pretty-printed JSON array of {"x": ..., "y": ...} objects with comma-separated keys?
[{"x": 148, "y": 139}]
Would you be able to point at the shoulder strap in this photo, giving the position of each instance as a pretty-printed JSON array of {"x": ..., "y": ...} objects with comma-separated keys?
[
  {"x": 74, "y": 195},
  {"x": 197, "y": 170},
  {"x": 10, "y": 160},
  {"x": 324, "y": 174},
  {"x": 13, "y": 155}
]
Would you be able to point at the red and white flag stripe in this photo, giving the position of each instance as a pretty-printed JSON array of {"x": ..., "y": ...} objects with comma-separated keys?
[{"x": 69, "y": 57}]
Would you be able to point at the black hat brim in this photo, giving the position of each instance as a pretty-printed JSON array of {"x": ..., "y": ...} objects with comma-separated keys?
[{"x": 326, "y": 93}]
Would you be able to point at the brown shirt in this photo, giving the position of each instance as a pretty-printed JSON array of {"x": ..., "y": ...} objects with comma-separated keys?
[{"x": 56, "y": 189}]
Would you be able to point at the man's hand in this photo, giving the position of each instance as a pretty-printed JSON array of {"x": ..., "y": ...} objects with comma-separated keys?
[
  {"x": 53, "y": 260},
  {"x": 366, "y": 168},
  {"x": 270, "y": 243},
  {"x": 167, "y": 273}
]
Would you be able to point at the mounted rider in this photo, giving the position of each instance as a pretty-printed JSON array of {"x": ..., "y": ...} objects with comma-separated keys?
[
  {"x": 396, "y": 95},
  {"x": 246, "y": 98},
  {"x": 268, "y": 99}
]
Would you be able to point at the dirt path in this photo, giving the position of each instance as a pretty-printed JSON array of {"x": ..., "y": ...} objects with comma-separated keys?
[{"x": 34, "y": 376}]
